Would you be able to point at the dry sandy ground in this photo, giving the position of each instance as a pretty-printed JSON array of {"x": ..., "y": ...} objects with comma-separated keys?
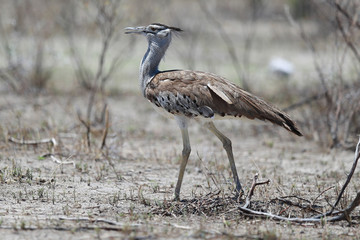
[{"x": 127, "y": 191}]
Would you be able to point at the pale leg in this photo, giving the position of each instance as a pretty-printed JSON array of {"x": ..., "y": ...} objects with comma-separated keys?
[
  {"x": 228, "y": 148},
  {"x": 185, "y": 156}
]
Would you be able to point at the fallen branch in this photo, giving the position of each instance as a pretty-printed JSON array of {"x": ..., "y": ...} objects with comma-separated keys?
[
  {"x": 281, "y": 218},
  {"x": 330, "y": 216},
  {"x": 33, "y": 142},
  {"x": 98, "y": 220},
  {"x": 52, "y": 141},
  {"x": 68, "y": 229},
  {"x": 58, "y": 161},
  {"x": 352, "y": 170}
]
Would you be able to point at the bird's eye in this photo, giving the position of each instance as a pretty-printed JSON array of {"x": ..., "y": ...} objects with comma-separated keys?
[{"x": 152, "y": 29}]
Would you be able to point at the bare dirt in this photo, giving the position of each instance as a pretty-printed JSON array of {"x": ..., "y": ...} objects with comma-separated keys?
[{"x": 126, "y": 190}]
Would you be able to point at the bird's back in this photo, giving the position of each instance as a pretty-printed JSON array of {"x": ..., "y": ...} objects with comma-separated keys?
[{"x": 198, "y": 94}]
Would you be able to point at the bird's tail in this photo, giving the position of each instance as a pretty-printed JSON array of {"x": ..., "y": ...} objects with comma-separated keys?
[{"x": 287, "y": 123}]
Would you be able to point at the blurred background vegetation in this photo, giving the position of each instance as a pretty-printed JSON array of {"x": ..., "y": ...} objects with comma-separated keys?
[{"x": 301, "y": 55}]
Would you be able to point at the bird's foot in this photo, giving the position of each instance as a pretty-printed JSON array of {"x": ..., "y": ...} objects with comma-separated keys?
[
  {"x": 176, "y": 198},
  {"x": 238, "y": 194}
]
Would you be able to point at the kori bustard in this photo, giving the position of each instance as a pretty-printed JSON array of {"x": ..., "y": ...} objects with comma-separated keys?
[{"x": 185, "y": 95}]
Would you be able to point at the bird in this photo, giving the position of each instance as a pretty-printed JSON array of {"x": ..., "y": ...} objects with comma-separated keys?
[
  {"x": 186, "y": 95},
  {"x": 281, "y": 67}
]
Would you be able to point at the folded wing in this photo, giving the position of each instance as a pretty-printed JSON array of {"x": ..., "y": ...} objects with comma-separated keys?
[{"x": 195, "y": 94}]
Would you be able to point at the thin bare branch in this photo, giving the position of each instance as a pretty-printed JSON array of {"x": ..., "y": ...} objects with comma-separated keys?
[
  {"x": 346, "y": 37},
  {"x": 281, "y": 218},
  {"x": 330, "y": 216},
  {"x": 309, "y": 207},
  {"x": 312, "y": 48},
  {"x": 322, "y": 192},
  {"x": 87, "y": 126},
  {"x": 252, "y": 189},
  {"x": 352, "y": 170},
  {"x": 345, "y": 13},
  {"x": 58, "y": 161},
  {"x": 297, "y": 197},
  {"x": 228, "y": 42},
  {"x": 98, "y": 220},
  {"x": 106, "y": 128}
]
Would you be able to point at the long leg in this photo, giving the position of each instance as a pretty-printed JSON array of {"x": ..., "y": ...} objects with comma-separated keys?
[
  {"x": 185, "y": 156},
  {"x": 228, "y": 148}
]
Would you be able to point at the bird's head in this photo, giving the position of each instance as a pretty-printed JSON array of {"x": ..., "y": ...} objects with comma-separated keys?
[{"x": 155, "y": 32}]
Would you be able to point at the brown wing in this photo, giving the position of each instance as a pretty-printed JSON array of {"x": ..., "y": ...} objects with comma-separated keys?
[{"x": 193, "y": 94}]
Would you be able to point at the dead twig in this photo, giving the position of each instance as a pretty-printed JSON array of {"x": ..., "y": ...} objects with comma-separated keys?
[
  {"x": 330, "y": 216},
  {"x": 67, "y": 229},
  {"x": 344, "y": 12},
  {"x": 252, "y": 189},
  {"x": 346, "y": 212},
  {"x": 58, "y": 161},
  {"x": 297, "y": 197},
  {"x": 106, "y": 128},
  {"x": 52, "y": 141},
  {"x": 87, "y": 126},
  {"x": 33, "y": 142},
  {"x": 345, "y": 32},
  {"x": 327, "y": 189},
  {"x": 98, "y": 220},
  {"x": 352, "y": 170},
  {"x": 285, "y": 209},
  {"x": 208, "y": 172},
  {"x": 251, "y": 212},
  {"x": 308, "y": 207}
]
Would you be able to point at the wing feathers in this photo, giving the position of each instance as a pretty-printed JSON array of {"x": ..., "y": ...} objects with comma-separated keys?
[
  {"x": 220, "y": 93},
  {"x": 193, "y": 93}
]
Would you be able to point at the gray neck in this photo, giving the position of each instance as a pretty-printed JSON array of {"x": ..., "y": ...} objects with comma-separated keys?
[{"x": 149, "y": 66}]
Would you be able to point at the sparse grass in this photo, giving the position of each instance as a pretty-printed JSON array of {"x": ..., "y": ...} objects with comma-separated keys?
[{"x": 41, "y": 192}]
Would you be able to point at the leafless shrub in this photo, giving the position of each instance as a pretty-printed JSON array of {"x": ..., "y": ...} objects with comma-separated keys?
[
  {"x": 103, "y": 19},
  {"x": 332, "y": 113},
  {"x": 241, "y": 66},
  {"x": 25, "y": 69}
]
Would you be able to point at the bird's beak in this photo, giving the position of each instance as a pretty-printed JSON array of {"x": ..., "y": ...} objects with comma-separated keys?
[{"x": 138, "y": 30}]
